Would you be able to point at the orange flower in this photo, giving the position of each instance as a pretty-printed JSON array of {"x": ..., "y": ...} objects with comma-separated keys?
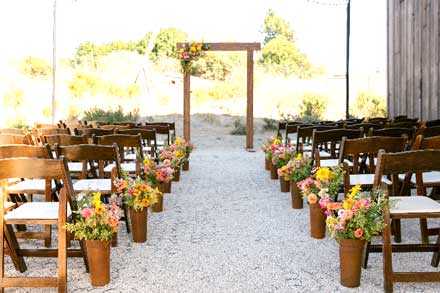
[
  {"x": 144, "y": 187},
  {"x": 99, "y": 210},
  {"x": 145, "y": 202},
  {"x": 312, "y": 198},
  {"x": 358, "y": 233},
  {"x": 136, "y": 192},
  {"x": 334, "y": 206}
]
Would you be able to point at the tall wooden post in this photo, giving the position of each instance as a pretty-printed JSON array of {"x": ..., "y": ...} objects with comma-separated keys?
[
  {"x": 250, "y": 102},
  {"x": 186, "y": 106}
]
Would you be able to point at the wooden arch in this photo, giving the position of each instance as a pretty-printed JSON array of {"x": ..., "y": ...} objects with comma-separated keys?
[{"x": 249, "y": 48}]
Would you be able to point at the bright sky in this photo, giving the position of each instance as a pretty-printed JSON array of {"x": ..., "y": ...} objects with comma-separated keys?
[{"x": 26, "y": 25}]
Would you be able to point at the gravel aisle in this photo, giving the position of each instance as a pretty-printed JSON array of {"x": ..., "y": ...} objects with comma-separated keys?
[{"x": 227, "y": 228}]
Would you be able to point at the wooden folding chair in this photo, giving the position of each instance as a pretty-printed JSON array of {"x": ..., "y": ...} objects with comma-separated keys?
[
  {"x": 171, "y": 126},
  {"x": 163, "y": 130},
  {"x": 40, "y": 213},
  {"x": 125, "y": 142},
  {"x": 149, "y": 141},
  {"x": 328, "y": 141},
  {"x": 16, "y": 139},
  {"x": 407, "y": 207},
  {"x": 359, "y": 157},
  {"x": 304, "y": 137},
  {"x": 18, "y": 131},
  {"x": 89, "y": 132}
]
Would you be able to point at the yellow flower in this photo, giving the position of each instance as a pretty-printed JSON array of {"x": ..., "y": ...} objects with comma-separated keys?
[
  {"x": 199, "y": 48},
  {"x": 97, "y": 199},
  {"x": 348, "y": 203},
  {"x": 299, "y": 156},
  {"x": 324, "y": 174},
  {"x": 354, "y": 191},
  {"x": 182, "y": 50},
  {"x": 144, "y": 187},
  {"x": 99, "y": 210},
  {"x": 179, "y": 153},
  {"x": 284, "y": 168},
  {"x": 178, "y": 141},
  {"x": 136, "y": 192},
  {"x": 193, "y": 49},
  {"x": 276, "y": 141}
]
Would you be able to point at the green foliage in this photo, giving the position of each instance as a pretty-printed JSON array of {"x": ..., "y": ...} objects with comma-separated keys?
[
  {"x": 269, "y": 124},
  {"x": 370, "y": 105},
  {"x": 312, "y": 107},
  {"x": 111, "y": 116},
  {"x": 275, "y": 26},
  {"x": 35, "y": 67},
  {"x": 165, "y": 43},
  {"x": 213, "y": 66},
  {"x": 280, "y": 56},
  {"x": 83, "y": 83},
  {"x": 218, "y": 92},
  {"x": 239, "y": 127},
  {"x": 131, "y": 91},
  {"x": 89, "y": 52},
  {"x": 14, "y": 98}
]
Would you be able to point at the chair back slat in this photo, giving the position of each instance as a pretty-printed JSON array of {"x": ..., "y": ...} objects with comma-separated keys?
[
  {"x": 15, "y": 139},
  {"x": 29, "y": 151}
]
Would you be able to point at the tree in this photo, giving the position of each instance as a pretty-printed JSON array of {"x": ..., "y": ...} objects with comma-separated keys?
[
  {"x": 275, "y": 26},
  {"x": 165, "y": 43},
  {"x": 280, "y": 54},
  {"x": 369, "y": 104}
]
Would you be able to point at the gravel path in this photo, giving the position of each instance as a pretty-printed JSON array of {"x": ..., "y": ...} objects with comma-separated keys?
[{"x": 227, "y": 228}]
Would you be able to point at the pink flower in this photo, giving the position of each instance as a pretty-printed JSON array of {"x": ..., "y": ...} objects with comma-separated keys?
[
  {"x": 358, "y": 233},
  {"x": 86, "y": 213}
]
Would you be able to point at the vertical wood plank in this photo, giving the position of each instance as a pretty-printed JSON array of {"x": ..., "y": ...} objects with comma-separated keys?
[
  {"x": 410, "y": 59},
  {"x": 390, "y": 59},
  {"x": 425, "y": 59},
  {"x": 434, "y": 60},
  {"x": 250, "y": 101},
  {"x": 396, "y": 55},
  {"x": 403, "y": 55},
  {"x": 417, "y": 59},
  {"x": 187, "y": 106}
]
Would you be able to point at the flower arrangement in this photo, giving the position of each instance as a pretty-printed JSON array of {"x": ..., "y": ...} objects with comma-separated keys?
[
  {"x": 186, "y": 146},
  {"x": 270, "y": 149},
  {"x": 190, "y": 52},
  {"x": 282, "y": 155},
  {"x": 158, "y": 174},
  {"x": 357, "y": 217},
  {"x": 174, "y": 154},
  {"x": 322, "y": 187},
  {"x": 96, "y": 220},
  {"x": 268, "y": 142},
  {"x": 297, "y": 169},
  {"x": 136, "y": 193}
]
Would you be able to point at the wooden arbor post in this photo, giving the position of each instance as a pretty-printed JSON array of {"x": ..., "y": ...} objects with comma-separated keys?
[{"x": 249, "y": 48}]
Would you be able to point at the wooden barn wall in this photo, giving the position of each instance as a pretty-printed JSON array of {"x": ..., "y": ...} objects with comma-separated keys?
[{"x": 413, "y": 58}]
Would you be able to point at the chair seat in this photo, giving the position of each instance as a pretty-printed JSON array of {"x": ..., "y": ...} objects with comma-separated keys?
[
  {"x": 77, "y": 167},
  {"x": 36, "y": 186},
  {"x": 413, "y": 205},
  {"x": 132, "y": 156},
  {"x": 366, "y": 179},
  {"x": 160, "y": 142},
  {"x": 12, "y": 181},
  {"x": 102, "y": 185},
  {"x": 329, "y": 163},
  {"x": 429, "y": 178},
  {"x": 128, "y": 167},
  {"x": 36, "y": 211}
]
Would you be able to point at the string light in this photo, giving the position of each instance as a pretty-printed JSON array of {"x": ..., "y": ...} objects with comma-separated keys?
[{"x": 331, "y": 3}]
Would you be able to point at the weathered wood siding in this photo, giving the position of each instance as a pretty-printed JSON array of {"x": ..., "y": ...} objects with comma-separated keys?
[{"x": 413, "y": 58}]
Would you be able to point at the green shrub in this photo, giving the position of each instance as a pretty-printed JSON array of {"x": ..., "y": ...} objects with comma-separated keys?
[
  {"x": 212, "y": 66},
  {"x": 218, "y": 92},
  {"x": 269, "y": 124},
  {"x": 14, "y": 98},
  {"x": 312, "y": 107},
  {"x": 111, "y": 116},
  {"x": 369, "y": 104},
  {"x": 83, "y": 83},
  {"x": 239, "y": 127},
  {"x": 35, "y": 67}
]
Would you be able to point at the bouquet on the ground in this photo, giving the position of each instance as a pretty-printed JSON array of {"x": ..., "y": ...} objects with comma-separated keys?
[
  {"x": 323, "y": 186},
  {"x": 270, "y": 150},
  {"x": 96, "y": 220},
  {"x": 136, "y": 193},
  {"x": 359, "y": 216},
  {"x": 282, "y": 155},
  {"x": 156, "y": 174},
  {"x": 297, "y": 169},
  {"x": 174, "y": 154}
]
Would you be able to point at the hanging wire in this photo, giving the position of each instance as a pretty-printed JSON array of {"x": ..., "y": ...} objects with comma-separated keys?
[{"x": 332, "y": 3}]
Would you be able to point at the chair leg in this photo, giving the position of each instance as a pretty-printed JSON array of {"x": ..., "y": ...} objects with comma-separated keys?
[
  {"x": 436, "y": 256},
  {"x": 48, "y": 237},
  {"x": 387, "y": 254},
  {"x": 366, "y": 254},
  {"x": 424, "y": 231},
  {"x": 62, "y": 261},
  {"x": 82, "y": 244},
  {"x": 395, "y": 223},
  {"x": 127, "y": 221},
  {"x": 14, "y": 248}
]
